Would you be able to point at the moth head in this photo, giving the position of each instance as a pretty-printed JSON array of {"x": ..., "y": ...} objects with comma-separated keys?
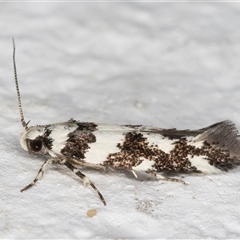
[{"x": 34, "y": 140}]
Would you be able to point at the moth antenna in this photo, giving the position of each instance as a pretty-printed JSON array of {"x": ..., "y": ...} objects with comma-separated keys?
[{"x": 24, "y": 124}]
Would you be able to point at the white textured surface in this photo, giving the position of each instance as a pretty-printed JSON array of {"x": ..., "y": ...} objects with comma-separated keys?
[{"x": 161, "y": 64}]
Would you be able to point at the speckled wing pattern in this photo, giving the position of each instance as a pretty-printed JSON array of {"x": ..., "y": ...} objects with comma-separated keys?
[{"x": 135, "y": 147}]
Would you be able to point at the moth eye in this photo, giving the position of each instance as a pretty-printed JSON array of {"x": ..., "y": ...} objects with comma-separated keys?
[{"x": 35, "y": 145}]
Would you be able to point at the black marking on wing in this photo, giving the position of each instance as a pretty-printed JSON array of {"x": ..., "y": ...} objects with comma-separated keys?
[
  {"x": 221, "y": 135},
  {"x": 174, "y": 133},
  {"x": 136, "y": 147},
  {"x": 133, "y": 126},
  {"x": 220, "y": 148},
  {"x": 84, "y": 126},
  {"x": 78, "y": 143},
  {"x": 47, "y": 141}
]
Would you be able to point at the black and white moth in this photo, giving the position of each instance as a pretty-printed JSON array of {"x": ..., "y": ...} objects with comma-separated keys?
[{"x": 155, "y": 151}]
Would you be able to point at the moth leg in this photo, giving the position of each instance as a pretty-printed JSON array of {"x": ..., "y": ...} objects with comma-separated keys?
[
  {"x": 134, "y": 174},
  {"x": 41, "y": 171},
  {"x": 161, "y": 177},
  {"x": 86, "y": 164},
  {"x": 85, "y": 180}
]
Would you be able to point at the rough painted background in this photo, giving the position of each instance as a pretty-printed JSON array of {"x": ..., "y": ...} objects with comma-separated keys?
[{"x": 161, "y": 64}]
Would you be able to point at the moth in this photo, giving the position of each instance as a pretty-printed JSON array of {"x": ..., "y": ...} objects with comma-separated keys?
[{"x": 156, "y": 151}]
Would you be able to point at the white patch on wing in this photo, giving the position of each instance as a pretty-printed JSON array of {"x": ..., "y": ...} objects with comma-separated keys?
[
  {"x": 202, "y": 164},
  {"x": 144, "y": 165},
  {"x": 192, "y": 141},
  {"x": 164, "y": 144},
  {"x": 106, "y": 143},
  {"x": 59, "y": 135}
]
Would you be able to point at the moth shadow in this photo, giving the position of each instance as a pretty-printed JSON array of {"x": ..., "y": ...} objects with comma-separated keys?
[{"x": 136, "y": 175}]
